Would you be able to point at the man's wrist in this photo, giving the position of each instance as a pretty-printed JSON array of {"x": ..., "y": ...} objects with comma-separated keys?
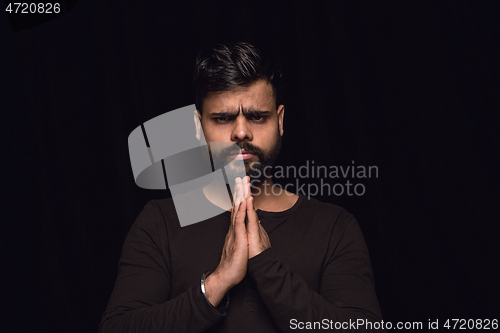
[
  {"x": 214, "y": 292},
  {"x": 264, "y": 258}
]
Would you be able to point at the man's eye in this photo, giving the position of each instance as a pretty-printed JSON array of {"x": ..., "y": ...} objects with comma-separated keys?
[
  {"x": 221, "y": 119},
  {"x": 258, "y": 119}
]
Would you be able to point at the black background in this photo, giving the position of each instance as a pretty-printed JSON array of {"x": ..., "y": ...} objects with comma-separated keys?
[{"x": 411, "y": 87}]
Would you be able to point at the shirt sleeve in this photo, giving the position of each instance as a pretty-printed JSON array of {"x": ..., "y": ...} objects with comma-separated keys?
[
  {"x": 140, "y": 301},
  {"x": 347, "y": 294}
]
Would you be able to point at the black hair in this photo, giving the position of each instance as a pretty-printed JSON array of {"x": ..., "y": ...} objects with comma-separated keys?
[{"x": 227, "y": 66}]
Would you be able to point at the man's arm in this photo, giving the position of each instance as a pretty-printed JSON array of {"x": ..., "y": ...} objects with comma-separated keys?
[
  {"x": 140, "y": 301},
  {"x": 347, "y": 290}
]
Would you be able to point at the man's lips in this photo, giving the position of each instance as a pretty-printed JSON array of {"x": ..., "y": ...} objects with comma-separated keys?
[{"x": 244, "y": 155}]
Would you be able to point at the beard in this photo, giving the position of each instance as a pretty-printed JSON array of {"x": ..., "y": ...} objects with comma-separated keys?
[
  {"x": 257, "y": 170},
  {"x": 222, "y": 153},
  {"x": 261, "y": 168}
]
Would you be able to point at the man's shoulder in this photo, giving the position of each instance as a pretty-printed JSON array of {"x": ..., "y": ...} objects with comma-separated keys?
[
  {"x": 324, "y": 210},
  {"x": 157, "y": 209},
  {"x": 187, "y": 208},
  {"x": 164, "y": 205},
  {"x": 164, "y": 202}
]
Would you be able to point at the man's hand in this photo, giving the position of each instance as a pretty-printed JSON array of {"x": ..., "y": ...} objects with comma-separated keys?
[
  {"x": 242, "y": 243},
  {"x": 233, "y": 263},
  {"x": 258, "y": 240}
]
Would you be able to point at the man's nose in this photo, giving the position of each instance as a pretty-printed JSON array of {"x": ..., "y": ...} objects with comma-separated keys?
[{"x": 241, "y": 130}]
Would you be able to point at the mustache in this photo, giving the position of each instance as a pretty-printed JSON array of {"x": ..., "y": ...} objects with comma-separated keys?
[
  {"x": 243, "y": 146},
  {"x": 236, "y": 149}
]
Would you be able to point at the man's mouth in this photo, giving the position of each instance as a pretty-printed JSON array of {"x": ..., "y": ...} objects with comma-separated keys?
[{"x": 244, "y": 155}]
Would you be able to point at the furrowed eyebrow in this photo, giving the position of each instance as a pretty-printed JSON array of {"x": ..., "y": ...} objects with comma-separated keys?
[
  {"x": 235, "y": 113},
  {"x": 225, "y": 114},
  {"x": 256, "y": 112}
]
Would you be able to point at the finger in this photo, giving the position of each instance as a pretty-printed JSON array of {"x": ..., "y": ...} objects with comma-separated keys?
[
  {"x": 252, "y": 218},
  {"x": 239, "y": 222},
  {"x": 265, "y": 237},
  {"x": 241, "y": 190},
  {"x": 235, "y": 192},
  {"x": 236, "y": 203},
  {"x": 246, "y": 187},
  {"x": 230, "y": 234},
  {"x": 238, "y": 192},
  {"x": 263, "y": 234}
]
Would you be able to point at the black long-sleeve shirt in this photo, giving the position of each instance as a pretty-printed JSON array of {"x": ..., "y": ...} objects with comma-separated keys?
[{"x": 317, "y": 270}]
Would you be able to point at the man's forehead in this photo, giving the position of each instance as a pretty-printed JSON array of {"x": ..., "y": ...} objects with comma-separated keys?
[
  {"x": 244, "y": 110},
  {"x": 258, "y": 96}
]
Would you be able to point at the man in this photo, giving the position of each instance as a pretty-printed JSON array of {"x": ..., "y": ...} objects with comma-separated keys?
[{"x": 276, "y": 262}]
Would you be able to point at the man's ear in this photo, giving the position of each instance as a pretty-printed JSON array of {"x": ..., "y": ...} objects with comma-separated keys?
[
  {"x": 197, "y": 122},
  {"x": 281, "y": 116}
]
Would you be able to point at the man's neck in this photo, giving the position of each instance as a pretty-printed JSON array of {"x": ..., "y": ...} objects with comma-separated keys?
[{"x": 264, "y": 193}]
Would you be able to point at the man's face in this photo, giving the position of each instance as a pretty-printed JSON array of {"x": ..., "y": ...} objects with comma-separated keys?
[{"x": 247, "y": 117}]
